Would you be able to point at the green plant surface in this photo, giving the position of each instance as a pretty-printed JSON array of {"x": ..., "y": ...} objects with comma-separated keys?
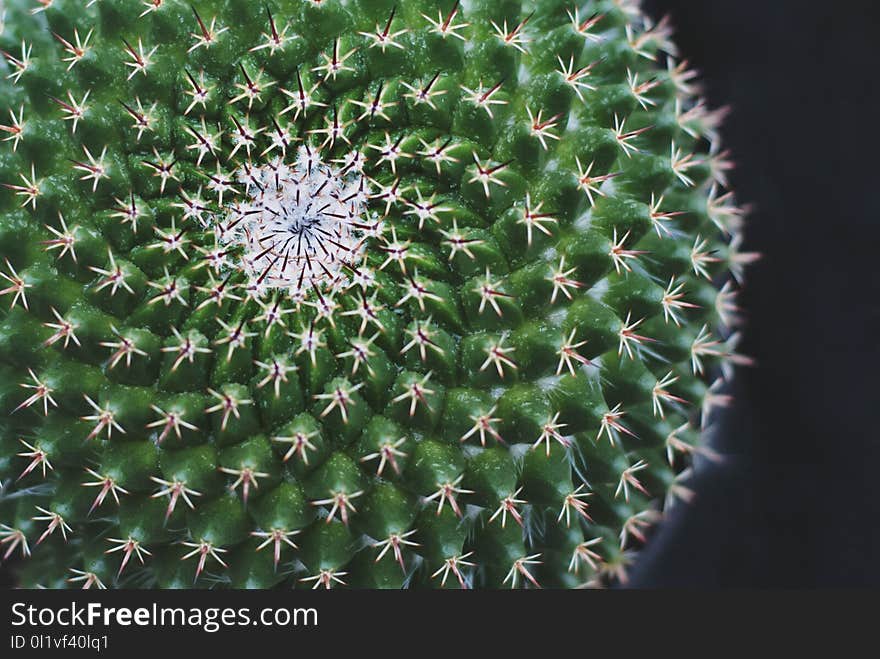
[{"x": 313, "y": 293}]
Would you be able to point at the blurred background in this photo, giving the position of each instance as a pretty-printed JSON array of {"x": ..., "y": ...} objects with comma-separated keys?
[{"x": 794, "y": 503}]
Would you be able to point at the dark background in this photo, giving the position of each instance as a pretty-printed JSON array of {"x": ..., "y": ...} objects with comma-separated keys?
[{"x": 795, "y": 502}]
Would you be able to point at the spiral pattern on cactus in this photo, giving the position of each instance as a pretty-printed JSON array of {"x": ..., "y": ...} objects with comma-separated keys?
[{"x": 313, "y": 293}]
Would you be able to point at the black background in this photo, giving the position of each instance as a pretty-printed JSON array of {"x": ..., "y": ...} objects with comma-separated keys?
[{"x": 794, "y": 503}]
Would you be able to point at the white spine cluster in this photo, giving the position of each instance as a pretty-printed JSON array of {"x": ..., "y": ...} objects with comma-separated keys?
[{"x": 300, "y": 227}]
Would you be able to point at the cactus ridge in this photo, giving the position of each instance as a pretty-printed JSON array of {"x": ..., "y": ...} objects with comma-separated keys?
[{"x": 313, "y": 293}]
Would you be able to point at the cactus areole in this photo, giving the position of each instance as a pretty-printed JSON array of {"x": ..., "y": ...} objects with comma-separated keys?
[{"x": 364, "y": 293}]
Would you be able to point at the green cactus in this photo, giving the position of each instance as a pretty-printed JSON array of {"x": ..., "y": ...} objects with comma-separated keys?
[{"x": 376, "y": 293}]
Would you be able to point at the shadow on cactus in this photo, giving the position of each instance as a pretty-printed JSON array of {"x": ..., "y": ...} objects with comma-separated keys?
[{"x": 366, "y": 293}]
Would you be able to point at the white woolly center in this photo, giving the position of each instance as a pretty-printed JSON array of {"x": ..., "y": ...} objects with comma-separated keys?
[{"x": 302, "y": 226}]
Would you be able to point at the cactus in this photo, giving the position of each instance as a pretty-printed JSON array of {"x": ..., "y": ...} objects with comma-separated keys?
[{"x": 376, "y": 293}]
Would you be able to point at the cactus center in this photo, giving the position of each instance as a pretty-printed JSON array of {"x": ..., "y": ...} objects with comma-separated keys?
[{"x": 299, "y": 227}]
